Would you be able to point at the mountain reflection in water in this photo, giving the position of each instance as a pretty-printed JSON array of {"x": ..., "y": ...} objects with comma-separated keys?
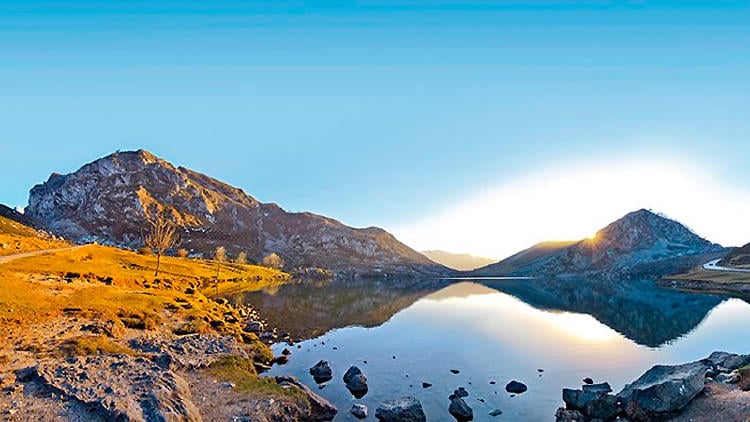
[
  {"x": 405, "y": 332},
  {"x": 638, "y": 309}
]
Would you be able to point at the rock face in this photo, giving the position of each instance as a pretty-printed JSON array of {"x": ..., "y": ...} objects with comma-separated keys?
[
  {"x": 662, "y": 390},
  {"x": 641, "y": 242},
  {"x": 403, "y": 409},
  {"x": 105, "y": 201},
  {"x": 106, "y": 383}
]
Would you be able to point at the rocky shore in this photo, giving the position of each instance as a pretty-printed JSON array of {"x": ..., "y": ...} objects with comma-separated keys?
[
  {"x": 714, "y": 388},
  {"x": 105, "y": 371}
]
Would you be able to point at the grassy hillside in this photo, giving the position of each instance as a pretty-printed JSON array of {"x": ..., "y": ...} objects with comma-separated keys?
[
  {"x": 110, "y": 284},
  {"x": 18, "y": 238},
  {"x": 522, "y": 259}
]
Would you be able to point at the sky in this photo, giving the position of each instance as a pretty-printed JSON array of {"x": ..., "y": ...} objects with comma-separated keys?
[{"x": 470, "y": 126}]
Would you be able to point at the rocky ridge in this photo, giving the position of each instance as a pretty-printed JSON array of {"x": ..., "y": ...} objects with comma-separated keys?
[
  {"x": 640, "y": 243},
  {"x": 106, "y": 200}
]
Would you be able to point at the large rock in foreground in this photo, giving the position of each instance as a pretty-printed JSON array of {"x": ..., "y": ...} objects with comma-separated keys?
[
  {"x": 662, "y": 390},
  {"x": 403, "y": 409}
]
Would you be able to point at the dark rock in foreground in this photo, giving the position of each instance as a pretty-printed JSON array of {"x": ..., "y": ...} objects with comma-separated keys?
[
  {"x": 359, "y": 411},
  {"x": 460, "y": 410},
  {"x": 321, "y": 372},
  {"x": 356, "y": 382},
  {"x": 403, "y": 409},
  {"x": 516, "y": 387},
  {"x": 662, "y": 390}
]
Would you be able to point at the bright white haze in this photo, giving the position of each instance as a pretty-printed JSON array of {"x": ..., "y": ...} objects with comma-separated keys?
[{"x": 574, "y": 202}]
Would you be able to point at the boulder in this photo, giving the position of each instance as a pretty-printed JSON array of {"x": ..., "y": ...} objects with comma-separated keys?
[
  {"x": 496, "y": 412},
  {"x": 356, "y": 382},
  {"x": 403, "y": 409},
  {"x": 359, "y": 411},
  {"x": 460, "y": 410},
  {"x": 662, "y": 390},
  {"x": 516, "y": 387},
  {"x": 320, "y": 408},
  {"x": 321, "y": 372}
]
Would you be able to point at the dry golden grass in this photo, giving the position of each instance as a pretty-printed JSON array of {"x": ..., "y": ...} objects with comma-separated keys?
[
  {"x": 16, "y": 238},
  {"x": 93, "y": 345},
  {"x": 113, "y": 282},
  {"x": 725, "y": 277}
]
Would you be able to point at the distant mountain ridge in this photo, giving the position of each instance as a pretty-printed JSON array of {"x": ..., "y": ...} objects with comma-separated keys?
[
  {"x": 461, "y": 262},
  {"x": 641, "y": 242},
  {"x": 104, "y": 201},
  {"x": 738, "y": 257}
]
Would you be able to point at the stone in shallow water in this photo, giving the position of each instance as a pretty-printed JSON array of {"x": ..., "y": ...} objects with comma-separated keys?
[
  {"x": 460, "y": 410},
  {"x": 359, "y": 410},
  {"x": 496, "y": 412},
  {"x": 321, "y": 372},
  {"x": 516, "y": 387},
  {"x": 402, "y": 409},
  {"x": 356, "y": 382}
]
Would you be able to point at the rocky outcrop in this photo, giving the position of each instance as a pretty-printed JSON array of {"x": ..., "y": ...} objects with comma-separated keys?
[
  {"x": 106, "y": 200},
  {"x": 403, "y": 409},
  {"x": 641, "y": 242},
  {"x": 107, "y": 383}
]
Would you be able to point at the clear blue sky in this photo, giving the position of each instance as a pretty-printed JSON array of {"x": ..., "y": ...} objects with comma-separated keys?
[{"x": 373, "y": 112}]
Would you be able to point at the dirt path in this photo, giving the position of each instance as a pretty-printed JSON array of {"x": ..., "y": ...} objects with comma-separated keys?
[{"x": 8, "y": 258}]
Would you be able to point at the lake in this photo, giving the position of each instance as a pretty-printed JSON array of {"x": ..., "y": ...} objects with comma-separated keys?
[{"x": 492, "y": 330}]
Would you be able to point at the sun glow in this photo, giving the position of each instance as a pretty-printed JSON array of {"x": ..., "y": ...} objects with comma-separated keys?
[{"x": 569, "y": 203}]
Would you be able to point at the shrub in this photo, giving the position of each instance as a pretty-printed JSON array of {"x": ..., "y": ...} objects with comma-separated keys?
[
  {"x": 145, "y": 251},
  {"x": 272, "y": 260},
  {"x": 183, "y": 253},
  {"x": 140, "y": 320}
]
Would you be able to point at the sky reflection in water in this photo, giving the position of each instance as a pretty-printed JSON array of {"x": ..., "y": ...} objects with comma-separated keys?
[{"x": 493, "y": 336}]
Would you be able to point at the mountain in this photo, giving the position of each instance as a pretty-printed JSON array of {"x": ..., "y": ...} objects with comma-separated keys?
[
  {"x": 517, "y": 262},
  {"x": 461, "y": 262},
  {"x": 739, "y": 257},
  {"x": 105, "y": 201},
  {"x": 641, "y": 242}
]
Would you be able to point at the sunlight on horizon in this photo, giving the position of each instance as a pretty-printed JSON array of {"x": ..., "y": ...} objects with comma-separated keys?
[{"x": 574, "y": 202}]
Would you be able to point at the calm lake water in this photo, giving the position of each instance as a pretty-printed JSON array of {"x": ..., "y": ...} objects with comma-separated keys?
[{"x": 493, "y": 330}]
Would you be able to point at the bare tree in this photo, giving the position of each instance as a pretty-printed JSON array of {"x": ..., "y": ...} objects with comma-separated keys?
[
  {"x": 241, "y": 258},
  {"x": 220, "y": 256},
  {"x": 160, "y": 236},
  {"x": 272, "y": 260}
]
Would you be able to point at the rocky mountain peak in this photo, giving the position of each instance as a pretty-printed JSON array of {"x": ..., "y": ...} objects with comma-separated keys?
[
  {"x": 107, "y": 199},
  {"x": 640, "y": 241}
]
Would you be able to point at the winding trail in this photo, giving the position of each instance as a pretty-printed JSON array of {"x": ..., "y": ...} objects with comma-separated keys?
[
  {"x": 711, "y": 266},
  {"x": 7, "y": 258}
]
